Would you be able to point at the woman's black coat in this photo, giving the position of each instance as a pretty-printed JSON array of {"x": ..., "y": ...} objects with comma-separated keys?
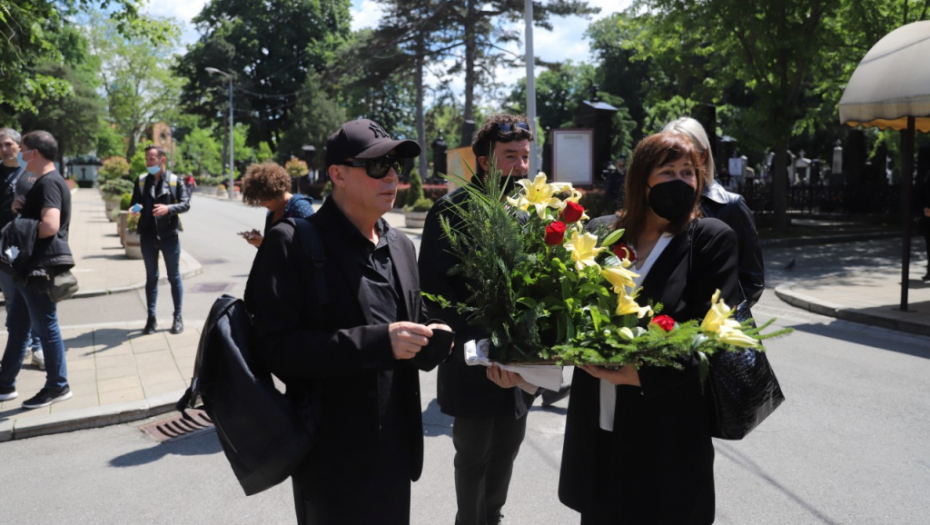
[{"x": 660, "y": 454}]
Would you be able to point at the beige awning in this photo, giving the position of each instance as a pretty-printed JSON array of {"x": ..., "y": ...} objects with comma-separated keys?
[{"x": 892, "y": 82}]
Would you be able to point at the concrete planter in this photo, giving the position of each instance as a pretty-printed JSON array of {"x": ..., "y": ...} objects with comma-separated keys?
[
  {"x": 112, "y": 207},
  {"x": 221, "y": 192},
  {"x": 121, "y": 226},
  {"x": 415, "y": 219},
  {"x": 133, "y": 244}
]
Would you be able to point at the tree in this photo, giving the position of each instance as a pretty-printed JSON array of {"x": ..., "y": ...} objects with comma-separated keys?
[
  {"x": 72, "y": 117},
  {"x": 31, "y": 34},
  {"x": 269, "y": 48},
  {"x": 202, "y": 153},
  {"x": 141, "y": 89},
  {"x": 478, "y": 17},
  {"x": 314, "y": 118}
]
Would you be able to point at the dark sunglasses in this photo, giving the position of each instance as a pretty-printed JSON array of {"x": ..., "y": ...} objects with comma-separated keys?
[
  {"x": 508, "y": 127},
  {"x": 377, "y": 168}
]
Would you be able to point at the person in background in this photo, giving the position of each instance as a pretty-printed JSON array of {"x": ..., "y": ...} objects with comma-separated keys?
[
  {"x": 48, "y": 207},
  {"x": 14, "y": 181},
  {"x": 730, "y": 208},
  {"x": 160, "y": 197},
  {"x": 268, "y": 185}
]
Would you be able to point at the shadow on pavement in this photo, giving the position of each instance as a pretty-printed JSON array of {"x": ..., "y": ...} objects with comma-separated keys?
[
  {"x": 864, "y": 338},
  {"x": 435, "y": 423},
  {"x": 748, "y": 464},
  {"x": 198, "y": 445},
  {"x": 105, "y": 338}
]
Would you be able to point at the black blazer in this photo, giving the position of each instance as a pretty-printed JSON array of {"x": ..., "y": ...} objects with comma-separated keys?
[
  {"x": 660, "y": 450},
  {"x": 731, "y": 208},
  {"x": 333, "y": 349},
  {"x": 462, "y": 390}
]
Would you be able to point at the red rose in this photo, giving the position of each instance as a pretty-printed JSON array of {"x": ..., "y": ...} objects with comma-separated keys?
[
  {"x": 623, "y": 251},
  {"x": 572, "y": 212},
  {"x": 555, "y": 232},
  {"x": 665, "y": 322}
]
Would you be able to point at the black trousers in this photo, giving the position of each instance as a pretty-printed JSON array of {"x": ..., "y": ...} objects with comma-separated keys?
[
  {"x": 331, "y": 490},
  {"x": 485, "y": 450}
]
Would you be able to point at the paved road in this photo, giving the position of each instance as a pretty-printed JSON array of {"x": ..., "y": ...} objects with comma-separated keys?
[{"x": 848, "y": 447}]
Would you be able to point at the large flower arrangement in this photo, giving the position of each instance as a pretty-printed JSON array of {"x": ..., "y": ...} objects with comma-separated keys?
[{"x": 545, "y": 290}]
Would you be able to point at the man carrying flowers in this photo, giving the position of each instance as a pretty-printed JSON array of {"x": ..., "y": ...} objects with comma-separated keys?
[{"x": 488, "y": 405}]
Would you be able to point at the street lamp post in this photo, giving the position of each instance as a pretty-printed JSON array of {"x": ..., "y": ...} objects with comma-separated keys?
[
  {"x": 531, "y": 87},
  {"x": 215, "y": 71}
]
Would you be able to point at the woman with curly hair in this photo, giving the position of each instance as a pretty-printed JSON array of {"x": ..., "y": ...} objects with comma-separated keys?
[{"x": 268, "y": 184}]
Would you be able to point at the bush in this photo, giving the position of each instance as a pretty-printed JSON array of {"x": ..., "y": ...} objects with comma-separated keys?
[
  {"x": 132, "y": 222},
  {"x": 124, "y": 201},
  {"x": 433, "y": 192},
  {"x": 327, "y": 189},
  {"x": 415, "y": 192},
  {"x": 115, "y": 188},
  {"x": 423, "y": 204},
  {"x": 296, "y": 167},
  {"x": 113, "y": 168}
]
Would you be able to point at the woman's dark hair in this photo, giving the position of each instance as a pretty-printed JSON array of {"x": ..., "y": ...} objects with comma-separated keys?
[
  {"x": 263, "y": 182},
  {"x": 490, "y": 134},
  {"x": 653, "y": 151},
  {"x": 43, "y": 142}
]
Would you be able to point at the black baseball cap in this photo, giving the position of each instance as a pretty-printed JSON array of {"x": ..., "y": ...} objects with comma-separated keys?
[{"x": 365, "y": 139}]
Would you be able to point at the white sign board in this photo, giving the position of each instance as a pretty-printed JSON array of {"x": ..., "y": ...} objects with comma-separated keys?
[
  {"x": 736, "y": 167},
  {"x": 573, "y": 156}
]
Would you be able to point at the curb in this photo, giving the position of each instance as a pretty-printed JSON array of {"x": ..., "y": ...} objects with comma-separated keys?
[
  {"x": 85, "y": 418},
  {"x": 786, "y": 293}
]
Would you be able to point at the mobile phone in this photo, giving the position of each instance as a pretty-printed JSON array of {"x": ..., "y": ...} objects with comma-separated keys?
[{"x": 136, "y": 208}]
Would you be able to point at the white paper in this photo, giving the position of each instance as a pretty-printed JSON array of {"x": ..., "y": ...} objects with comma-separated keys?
[{"x": 546, "y": 376}]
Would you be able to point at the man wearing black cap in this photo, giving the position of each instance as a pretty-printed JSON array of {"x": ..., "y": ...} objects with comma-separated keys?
[{"x": 356, "y": 357}]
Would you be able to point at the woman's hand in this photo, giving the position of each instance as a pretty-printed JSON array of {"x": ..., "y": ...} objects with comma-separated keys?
[
  {"x": 503, "y": 378},
  {"x": 625, "y": 375}
]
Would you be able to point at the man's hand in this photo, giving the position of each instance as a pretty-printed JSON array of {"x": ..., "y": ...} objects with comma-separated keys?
[
  {"x": 159, "y": 210},
  {"x": 926, "y": 212},
  {"x": 18, "y": 203},
  {"x": 625, "y": 375},
  {"x": 503, "y": 378},
  {"x": 408, "y": 338}
]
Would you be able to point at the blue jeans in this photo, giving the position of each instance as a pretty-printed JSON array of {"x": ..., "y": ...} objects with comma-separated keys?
[
  {"x": 10, "y": 297},
  {"x": 33, "y": 307},
  {"x": 171, "y": 251}
]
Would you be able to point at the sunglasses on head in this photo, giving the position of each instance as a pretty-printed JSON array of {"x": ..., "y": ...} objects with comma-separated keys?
[
  {"x": 377, "y": 168},
  {"x": 508, "y": 127}
]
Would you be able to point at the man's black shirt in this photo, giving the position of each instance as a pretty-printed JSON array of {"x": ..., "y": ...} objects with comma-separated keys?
[{"x": 381, "y": 290}]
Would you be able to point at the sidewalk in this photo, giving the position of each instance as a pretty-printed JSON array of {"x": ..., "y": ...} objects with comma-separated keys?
[{"x": 116, "y": 374}]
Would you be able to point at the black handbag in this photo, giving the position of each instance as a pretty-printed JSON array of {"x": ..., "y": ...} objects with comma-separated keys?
[
  {"x": 58, "y": 287},
  {"x": 741, "y": 388}
]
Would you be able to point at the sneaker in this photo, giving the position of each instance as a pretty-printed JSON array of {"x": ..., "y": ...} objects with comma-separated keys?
[
  {"x": 8, "y": 392},
  {"x": 38, "y": 359},
  {"x": 177, "y": 326},
  {"x": 47, "y": 396},
  {"x": 150, "y": 325}
]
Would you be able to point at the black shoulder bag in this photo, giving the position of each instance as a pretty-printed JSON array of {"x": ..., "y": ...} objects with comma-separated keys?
[{"x": 741, "y": 387}]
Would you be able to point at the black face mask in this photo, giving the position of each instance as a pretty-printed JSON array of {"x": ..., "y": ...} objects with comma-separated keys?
[{"x": 671, "y": 200}]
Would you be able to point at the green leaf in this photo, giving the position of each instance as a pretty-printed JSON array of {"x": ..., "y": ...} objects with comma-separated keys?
[{"x": 613, "y": 237}]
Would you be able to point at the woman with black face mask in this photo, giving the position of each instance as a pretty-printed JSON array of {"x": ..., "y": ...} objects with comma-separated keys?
[{"x": 637, "y": 441}]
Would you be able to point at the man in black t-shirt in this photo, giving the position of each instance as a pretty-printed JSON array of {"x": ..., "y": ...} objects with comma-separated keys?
[
  {"x": 12, "y": 177},
  {"x": 48, "y": 203}
]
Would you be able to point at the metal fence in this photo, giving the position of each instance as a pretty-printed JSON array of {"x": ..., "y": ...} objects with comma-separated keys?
[{"x": 825, "y": 198}]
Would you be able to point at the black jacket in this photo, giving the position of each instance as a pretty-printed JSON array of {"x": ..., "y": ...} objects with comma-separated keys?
[
  {"x": 661, "y": 445},
  {"x": 19, "y": 234},
  {"x": 7, "y": 195},
  {"x": 171, "y": 192},
  {"x": 334, "y": 348},
  {"x": 731, "y": 208},
  {"x": 463, "y": 391}
]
